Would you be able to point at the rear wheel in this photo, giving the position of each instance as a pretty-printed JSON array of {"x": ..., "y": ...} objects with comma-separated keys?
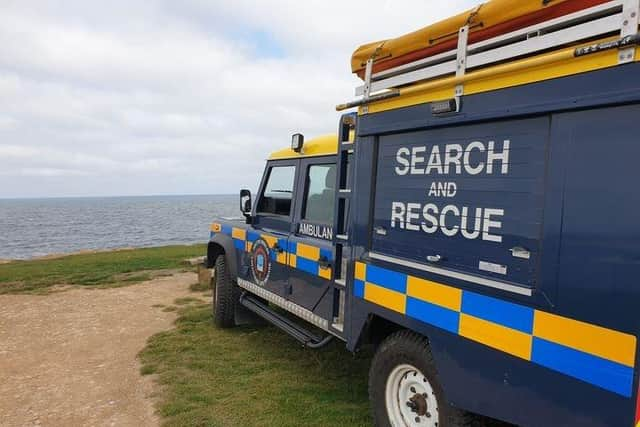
[
  {"x": 225, "y": 295},
  {"x": 404, "y": 389}
]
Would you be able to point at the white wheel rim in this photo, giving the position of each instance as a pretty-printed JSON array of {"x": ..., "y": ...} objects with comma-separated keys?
[{"x": 410, "y": 399}]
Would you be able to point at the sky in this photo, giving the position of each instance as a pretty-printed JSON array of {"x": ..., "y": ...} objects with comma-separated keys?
[{"x": 175, "y": 97}]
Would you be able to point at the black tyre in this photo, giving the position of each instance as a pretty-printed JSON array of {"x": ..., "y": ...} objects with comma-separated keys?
[
  {"x": 225, "y": 295},
  {"x": 404, "y": 389}
]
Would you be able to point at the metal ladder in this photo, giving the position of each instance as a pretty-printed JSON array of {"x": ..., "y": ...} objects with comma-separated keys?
[{"x": 342, "y": 237}]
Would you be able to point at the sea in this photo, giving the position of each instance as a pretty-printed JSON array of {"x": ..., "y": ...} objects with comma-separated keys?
[{"x": 31, "y": 228}]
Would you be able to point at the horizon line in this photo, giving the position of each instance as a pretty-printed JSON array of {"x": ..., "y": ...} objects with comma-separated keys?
[{"x": 115, "y": 196}]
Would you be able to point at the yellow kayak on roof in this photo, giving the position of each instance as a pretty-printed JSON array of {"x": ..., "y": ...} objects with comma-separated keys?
[{"x": 485, "y": 21}]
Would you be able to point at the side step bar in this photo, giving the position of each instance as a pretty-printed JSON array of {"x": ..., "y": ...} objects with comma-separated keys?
[{"x": 302, "y": 335}]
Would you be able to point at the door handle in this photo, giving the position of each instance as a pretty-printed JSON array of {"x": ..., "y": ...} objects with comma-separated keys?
[
  {"x": 324, "y": 263},
  {"x": 279, "y": 249},
  {"x": 520, "y": 252},
  {"x": 434, "y": 258},
  {"x": 381, "y": 231}
]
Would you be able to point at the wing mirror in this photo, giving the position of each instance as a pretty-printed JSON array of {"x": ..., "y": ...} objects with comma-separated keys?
[{"x": 245, "y": 203}]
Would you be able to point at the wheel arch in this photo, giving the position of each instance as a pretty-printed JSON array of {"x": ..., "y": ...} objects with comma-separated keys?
[
  {"x": 374, "y": 329},
  {"x": 222, "y": 245}
]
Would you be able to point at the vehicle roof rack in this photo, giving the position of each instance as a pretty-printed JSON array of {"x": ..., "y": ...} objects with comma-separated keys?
[{"x": 616, "y": 17}]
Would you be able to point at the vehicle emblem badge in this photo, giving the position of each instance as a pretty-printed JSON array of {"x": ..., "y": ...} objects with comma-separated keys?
[{"x": 260, "y": 262}]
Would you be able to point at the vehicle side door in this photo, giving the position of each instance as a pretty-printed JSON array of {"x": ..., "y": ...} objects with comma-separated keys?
[
  {"x": 265, "y": 263},
  {"x": 310, "y": 244}
]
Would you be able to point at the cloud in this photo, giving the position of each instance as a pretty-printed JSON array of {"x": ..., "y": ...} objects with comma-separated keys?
[{"x": 120, "y": 97}]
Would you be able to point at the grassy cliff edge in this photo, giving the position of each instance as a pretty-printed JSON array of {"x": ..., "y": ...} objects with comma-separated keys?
[{"x": 110, "y": 268}]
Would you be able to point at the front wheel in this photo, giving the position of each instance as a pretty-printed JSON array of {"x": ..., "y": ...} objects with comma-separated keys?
[
  {"x": 404, "y": 389},
  {"x": 225, "y": 295}
]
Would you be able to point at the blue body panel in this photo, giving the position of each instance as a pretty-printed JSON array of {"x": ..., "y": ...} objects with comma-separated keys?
[
  {"x": 519, "y": 193},
  {"x": 572, "y": 186}
]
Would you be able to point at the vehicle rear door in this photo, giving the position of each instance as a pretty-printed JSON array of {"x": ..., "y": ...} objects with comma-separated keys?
[{"x": 465, "y": 202}]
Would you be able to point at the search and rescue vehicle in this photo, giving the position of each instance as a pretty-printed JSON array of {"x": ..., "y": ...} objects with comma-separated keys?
[{"x": 477, "y": 220}]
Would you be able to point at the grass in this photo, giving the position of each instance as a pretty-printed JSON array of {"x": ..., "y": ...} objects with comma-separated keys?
[
  {"x": 186, "y": 300},
  {"x": 115, "y": 268},
  {"x": 200, "y": 287},
  {"x": 252, "y": 376}
]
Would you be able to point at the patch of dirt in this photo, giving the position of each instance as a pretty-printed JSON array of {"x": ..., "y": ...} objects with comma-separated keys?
[
  {"x": 69, "y": 358},
  {"x": 152, "y": 274}
]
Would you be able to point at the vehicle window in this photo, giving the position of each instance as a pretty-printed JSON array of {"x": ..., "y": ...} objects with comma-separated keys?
[
  {"x": 320, "y": 194},
  {"x": 277, "y": 195}
]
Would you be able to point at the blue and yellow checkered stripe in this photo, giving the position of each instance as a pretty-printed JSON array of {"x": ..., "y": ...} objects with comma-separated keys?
[
  {"x": 306, "y": 258},
  {"x": 297, "y": 255},
  {"x": 596, "y": 355}
]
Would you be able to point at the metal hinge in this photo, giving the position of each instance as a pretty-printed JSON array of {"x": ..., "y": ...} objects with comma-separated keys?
[
  {"x": 629, "y": 27},
  {"x": 461, "y": 58},
  {"x": 367, "y": 83}
]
